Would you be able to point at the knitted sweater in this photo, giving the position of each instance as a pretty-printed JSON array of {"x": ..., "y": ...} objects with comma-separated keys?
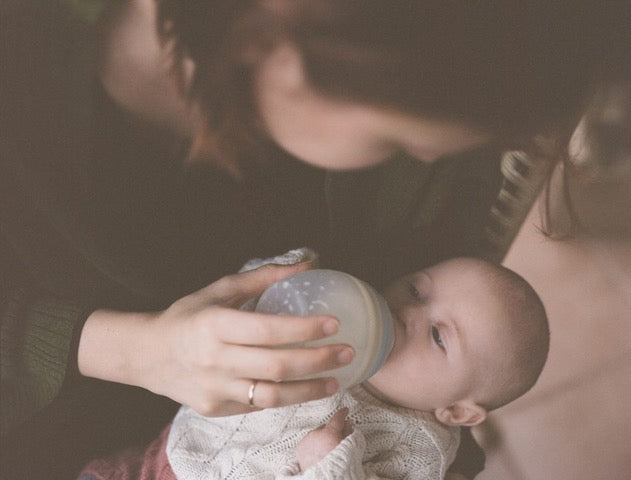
[{"x": 387, "y": 442}]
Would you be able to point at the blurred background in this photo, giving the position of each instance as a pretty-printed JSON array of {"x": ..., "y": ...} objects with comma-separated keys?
[{"x": 576, "y": 422}]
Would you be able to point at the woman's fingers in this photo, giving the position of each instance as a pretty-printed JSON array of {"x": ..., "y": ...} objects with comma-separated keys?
[
  {"x": 248, "y": 328},
  {"x": 215, "y": 355},
  {"x": 230, "y": 407},
  {"x": 235, "y": 289},
  {"x": 283, "y": 364},
  {"x": 228, "y": 396},
  {"x": 277, "y": 394}
]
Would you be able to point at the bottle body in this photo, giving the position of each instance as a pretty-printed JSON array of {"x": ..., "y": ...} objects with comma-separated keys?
[{"x": 365, "y": 320}]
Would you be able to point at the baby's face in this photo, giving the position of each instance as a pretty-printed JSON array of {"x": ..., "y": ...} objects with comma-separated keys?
[{"x": 447, "y": 320}]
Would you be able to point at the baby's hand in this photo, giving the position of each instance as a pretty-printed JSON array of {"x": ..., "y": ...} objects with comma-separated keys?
[{"x": 319, "y": 442}]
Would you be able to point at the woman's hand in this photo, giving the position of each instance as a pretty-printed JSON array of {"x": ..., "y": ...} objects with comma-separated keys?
[
  {"x": 205, "y": 353},
  {"x": 319, "y": 442}
]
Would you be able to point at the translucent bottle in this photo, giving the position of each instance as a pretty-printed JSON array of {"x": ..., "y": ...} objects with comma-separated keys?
[{"x": 365, "y": 319}]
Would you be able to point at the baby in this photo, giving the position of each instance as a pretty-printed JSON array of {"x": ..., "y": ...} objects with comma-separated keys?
[{"x": 469, "y": 337}]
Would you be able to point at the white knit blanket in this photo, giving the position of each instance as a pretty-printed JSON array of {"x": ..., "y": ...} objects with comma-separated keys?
[{"x": 387, "y": 442}]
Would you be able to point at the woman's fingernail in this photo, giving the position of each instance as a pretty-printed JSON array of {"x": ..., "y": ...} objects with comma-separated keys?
[
  {"x": 345, "y": 355},
  {"x": 331, "y": 386},
  {"x": 330, "y": 326},
  {"x": 295, "y": 257}
]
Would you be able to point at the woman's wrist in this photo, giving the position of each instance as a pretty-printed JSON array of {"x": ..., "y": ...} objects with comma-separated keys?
[{"x": 117, "y": 346}]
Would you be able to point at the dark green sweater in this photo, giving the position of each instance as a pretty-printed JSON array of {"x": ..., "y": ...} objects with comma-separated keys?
[
  {"x": 47, "y": 56},
  {"x": 97, "y": 210}
]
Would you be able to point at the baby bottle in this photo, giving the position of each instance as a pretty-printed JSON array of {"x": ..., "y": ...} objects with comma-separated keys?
[{"x": 364, "y": 317}]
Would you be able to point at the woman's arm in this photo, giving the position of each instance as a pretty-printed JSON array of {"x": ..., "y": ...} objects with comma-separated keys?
[
  {"x": 36, "y": 332},
  {"x": 204, "y": 353}
]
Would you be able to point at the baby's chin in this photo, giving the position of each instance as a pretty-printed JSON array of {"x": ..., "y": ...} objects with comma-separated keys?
[{"x": 380, "y": 386}]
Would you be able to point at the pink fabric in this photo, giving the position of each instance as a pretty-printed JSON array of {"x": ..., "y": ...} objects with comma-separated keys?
[{"x": 150, "y": 463}]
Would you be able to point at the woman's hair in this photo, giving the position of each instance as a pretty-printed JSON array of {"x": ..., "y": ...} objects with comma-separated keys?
[{"x": 516, "y": 68}]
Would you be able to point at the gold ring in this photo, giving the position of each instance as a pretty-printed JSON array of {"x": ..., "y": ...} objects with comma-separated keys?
[{"x": 251, "y": 393}]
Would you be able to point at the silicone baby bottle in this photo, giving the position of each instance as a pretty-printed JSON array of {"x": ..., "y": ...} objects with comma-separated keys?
[{"x": 365, "y": 320}]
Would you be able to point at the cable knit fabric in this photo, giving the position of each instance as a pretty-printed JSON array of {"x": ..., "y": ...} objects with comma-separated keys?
[{"x": 387, "y": 442}]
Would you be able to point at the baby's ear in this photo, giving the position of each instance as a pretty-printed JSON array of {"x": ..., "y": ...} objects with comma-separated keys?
[{"x": 463, "y": 413}]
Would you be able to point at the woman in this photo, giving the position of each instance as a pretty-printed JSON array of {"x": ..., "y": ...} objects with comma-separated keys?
[{"x": 97, "y": 254}]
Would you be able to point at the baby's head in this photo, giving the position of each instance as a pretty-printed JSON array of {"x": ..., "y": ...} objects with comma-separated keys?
[{"x": 470, "y": 336}]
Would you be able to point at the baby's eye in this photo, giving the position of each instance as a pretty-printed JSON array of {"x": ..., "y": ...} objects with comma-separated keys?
[
  {"x": 413, "y": 291},
  {"x": 436, "y": 337}
]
